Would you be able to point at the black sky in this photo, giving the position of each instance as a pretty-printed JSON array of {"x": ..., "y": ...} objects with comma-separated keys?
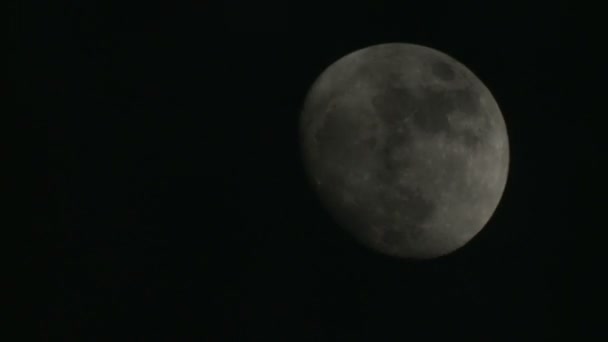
[{"x": 176, "y": 205}]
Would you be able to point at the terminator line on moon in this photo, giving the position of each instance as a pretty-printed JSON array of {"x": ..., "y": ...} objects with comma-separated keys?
[{"x": 406, "y": 148}]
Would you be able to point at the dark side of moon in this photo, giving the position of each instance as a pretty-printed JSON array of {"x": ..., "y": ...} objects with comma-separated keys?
[{"x": 407, "y": 149}]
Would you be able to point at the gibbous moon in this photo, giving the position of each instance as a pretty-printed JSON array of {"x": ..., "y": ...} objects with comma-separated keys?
[{"x": 406, "y": 148}]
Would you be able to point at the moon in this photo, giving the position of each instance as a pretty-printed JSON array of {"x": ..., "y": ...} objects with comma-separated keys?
[{"x": 406, "y": 148}]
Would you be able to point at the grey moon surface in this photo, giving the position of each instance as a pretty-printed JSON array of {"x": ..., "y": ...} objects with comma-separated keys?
[{"x": 406, "y": 148}]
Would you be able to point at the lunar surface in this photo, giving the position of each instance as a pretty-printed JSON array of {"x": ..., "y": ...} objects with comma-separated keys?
[{"x": 406, "y": 148}]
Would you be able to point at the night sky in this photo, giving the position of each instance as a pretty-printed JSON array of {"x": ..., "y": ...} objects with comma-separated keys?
[{"x": 173, "y": 202}]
